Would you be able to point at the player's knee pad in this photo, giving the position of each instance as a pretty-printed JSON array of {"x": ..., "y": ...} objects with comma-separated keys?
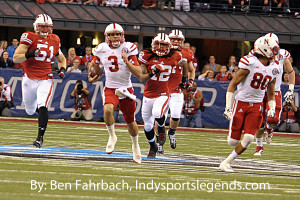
[
  {"x": 232, "y": 142},
  {"x": 247, "y": 139},
  {"x": 148, "y": 127},
  {"x": 175, "y": 119},
  {"x": 30, "y": 112}
]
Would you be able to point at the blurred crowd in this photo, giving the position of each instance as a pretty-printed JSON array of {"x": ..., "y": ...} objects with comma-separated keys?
[
  {"x": 279, "y": 7},
  {"x": 207, "y": 69}
]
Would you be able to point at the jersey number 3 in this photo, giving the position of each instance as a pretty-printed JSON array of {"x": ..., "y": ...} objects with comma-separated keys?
[
  {"x": 114, "y": 62},
  {"x": 259, "y": 81}
]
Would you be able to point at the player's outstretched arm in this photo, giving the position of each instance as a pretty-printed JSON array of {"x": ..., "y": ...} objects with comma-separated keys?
[
  {"x": 19, "y": 55},
  {"x": 145, "y": 75},
  {"x": 239, "y": 77},
  {"x": 62, "y": 64},
  {"x": 271, "y": 98},
  {"x": 289, "y": 69}
]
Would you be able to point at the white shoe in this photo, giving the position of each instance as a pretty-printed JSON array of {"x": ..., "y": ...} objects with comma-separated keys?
[
  {"x": 269, "y": 136},
  {"x": 136, "y": 152},
  {"x": 225, "y": 167},
  {"x": 110, "y": 147}
]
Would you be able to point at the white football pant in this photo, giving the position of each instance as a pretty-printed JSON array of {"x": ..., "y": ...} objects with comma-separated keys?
[{"x": 36, "y": 93}]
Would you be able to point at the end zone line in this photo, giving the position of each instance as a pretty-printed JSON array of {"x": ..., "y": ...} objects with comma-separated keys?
[{"x": 101, "y": 124}]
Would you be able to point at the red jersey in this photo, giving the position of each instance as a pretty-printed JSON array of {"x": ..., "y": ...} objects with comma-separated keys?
[
  {"x": 84, "y": 101},
  {"x": 176, "y": 76},
  {"x": 40, "y": 67},
  {"x": 220, "y": 77},
  {"x": 190, "y": 106},
  {"x": 85, "y": 59},
  {"x": 158, "y": 84},
  {"x": 70, "y": 61}
]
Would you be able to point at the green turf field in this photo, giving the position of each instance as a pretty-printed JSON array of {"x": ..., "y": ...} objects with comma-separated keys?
[{"x": 275, "y": 175}]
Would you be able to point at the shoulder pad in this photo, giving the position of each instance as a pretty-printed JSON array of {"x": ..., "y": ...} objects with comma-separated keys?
[
  {"x": 284, "y": 53},
  {"x": 99, "y": 47}
]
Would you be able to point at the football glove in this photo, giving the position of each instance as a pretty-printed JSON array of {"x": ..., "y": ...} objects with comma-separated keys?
[
  {"x": 183, "y": 83},
  {"x": 289, "y": 96},
  {"x": 271, "y": 113},
  {"x": 189, "y": 85},
  {"x": 228, "y": 113},
  {"x": 33, "y": 53},
  {"x": 61, "y": 72},
  {"x": 157, "y": 68},
  {"x": 272, "y": 105}
]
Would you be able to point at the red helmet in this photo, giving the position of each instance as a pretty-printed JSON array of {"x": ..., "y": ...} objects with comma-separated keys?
[
  {"x": 161, "y": 44},
  {"x": 177, "y": 38},
  {"x": 43, "y": 25}
]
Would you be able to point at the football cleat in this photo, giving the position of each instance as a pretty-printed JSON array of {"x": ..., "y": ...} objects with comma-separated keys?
[
  {"x": 160, "y": 148},
  {"x": 172, "y": 141},
  {"x": 224, "y": 166},
  {"x": 269, "y": 136},
  {"x": 136, "y": 152},
  {"x": 161, "y": 139},
  {"x": 110, "y": 147},
  {"x": 152, "y": 152},
  {"x": 38, "y": 141},
  {"x": 259, "y": 151}
]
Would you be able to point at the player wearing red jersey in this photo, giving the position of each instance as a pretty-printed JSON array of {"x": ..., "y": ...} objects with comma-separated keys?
[
  {"x": 157, "y": 65},
  {"x": 254, "y": 76},
  {"x": 178, "y": 75},
  {"x": 36, "y": 50},
  {"x": 119, "y": 60}
]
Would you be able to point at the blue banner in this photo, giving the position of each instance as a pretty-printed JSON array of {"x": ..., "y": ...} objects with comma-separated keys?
[{"x": 62, "y": 106}]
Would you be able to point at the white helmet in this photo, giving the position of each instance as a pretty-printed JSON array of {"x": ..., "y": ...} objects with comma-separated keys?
[
  {"x": 114, "y": 28},
  {"x": 176, "y": 34},
  {"x": 43, "y": 25},
  {"x": 272, "y": 36},
  {"x": 263, "y": 48},
  {"x": 157, "y": 41}
]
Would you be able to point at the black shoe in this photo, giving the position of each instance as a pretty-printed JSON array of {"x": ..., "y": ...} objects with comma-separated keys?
[
  {"x": 161, "y": 139},
  {"x": 152, "y": 151},
  {"x": 172, "y": 141},
  {"x": 38, "y": 142}
]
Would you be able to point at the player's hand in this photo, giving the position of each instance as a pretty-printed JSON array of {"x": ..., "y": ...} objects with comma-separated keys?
[
  {"x": 33, "y": 53},
  {"x": 289, "y": 96},
  {"x": 189, "y": 85},
  {"x": 228, "y": 113},
  {"x": 157, "y": 68},
  {"x": 124, "y": 56},
  {"x": 61, "y": 72},
  {"x": 93, "y": 79},
  {"x": 271, "y": 113}
]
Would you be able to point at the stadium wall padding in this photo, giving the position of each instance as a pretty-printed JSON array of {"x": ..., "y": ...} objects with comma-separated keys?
[{"x": 62, "y": 106}]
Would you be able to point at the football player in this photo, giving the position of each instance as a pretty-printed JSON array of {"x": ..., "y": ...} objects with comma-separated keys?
[
  {"x": 176, "y": 99},
  {"x": 281, "y": 58},
  {"x": 157, "y": 65},
  {"x": 120, "y": 61},
  {"x": 36, "y": 50},
  {"x": 253, "y": 77}
]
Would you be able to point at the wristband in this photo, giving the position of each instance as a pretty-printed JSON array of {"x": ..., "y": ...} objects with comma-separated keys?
[
  {"x": 291, "y": 87},
  {"x": 151, "y": 74},
  {"x": 229, "y": 96}
]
